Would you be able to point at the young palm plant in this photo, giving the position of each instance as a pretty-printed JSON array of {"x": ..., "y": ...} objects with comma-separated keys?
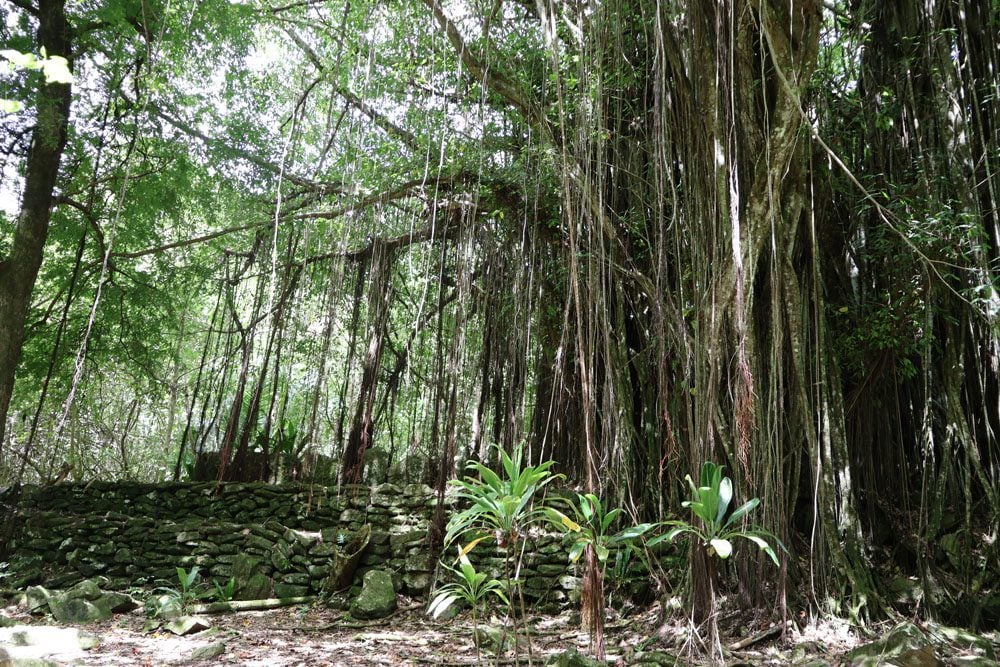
[
  {"x": 715, "y": 529},
  {"x": 471, "y": 587},
  {"x": 592, "y": 536},
  {"x": 501, "y": 507}
]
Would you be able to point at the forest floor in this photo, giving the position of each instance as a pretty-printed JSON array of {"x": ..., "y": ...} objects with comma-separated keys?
[{"x": 318, "y": 635}]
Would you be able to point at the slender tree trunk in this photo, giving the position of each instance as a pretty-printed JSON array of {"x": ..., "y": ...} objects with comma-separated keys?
[
  {"x": 56, "y": 346},
  {"x": 48, "y": 139},
  {"x": 359, "y": 287},
  {"x": 176, "y": 372},
  {"x": 195, "y": 393},
  {"x": 362, "y": 428}
]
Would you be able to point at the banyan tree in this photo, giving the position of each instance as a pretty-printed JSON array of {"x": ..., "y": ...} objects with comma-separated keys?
[{"x": 628, "y": 235}]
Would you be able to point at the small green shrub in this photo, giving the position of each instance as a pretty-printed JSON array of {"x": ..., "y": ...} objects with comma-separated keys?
[
  {"x": 471, "y": 587},
  {"x": 715, "y": 529},
  {"x": 591, "y": 528},
  {"x": 190, "y": 589},
  {"x": 224, "y": 593},
  {"x": 501, "y": 507}
]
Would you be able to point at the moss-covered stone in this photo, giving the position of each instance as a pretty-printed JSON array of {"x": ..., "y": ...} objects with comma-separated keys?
[
  {"x": 84, "y": 603},
  {"x": 76, "y": 610},
  {"x": 144, "y": 531},
  {"x": 208, "y": 652},
  {"x": 905, "y": 639},
  {"x": 418, "y": 583},
  {"x": 573, "y": 658},
  {"x": 282, "y": 590},
  {"x": 36, "y": 599},
  {"x": 281, "y": 556},
  {"x": 296, "y": 578},
  {"x": 166, "y": 607},
  {"x": 187, "y": 625},
  {"x": 377, "y": 598},
  {"x": 249, "y": 582}
]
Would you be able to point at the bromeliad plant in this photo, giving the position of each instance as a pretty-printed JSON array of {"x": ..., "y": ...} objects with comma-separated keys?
[
  {"x": 592, "y": 527},
  {"x": 224, "y": 592},
  {"x": 715, "y": 529},
  {"x": 501, "y": 507},
  {"x": 188, "y": 582},
  {"x": 169, "y": 601}
]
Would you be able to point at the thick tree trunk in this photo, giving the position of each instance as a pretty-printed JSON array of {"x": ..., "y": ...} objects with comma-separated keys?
[{"x": 48, "y": 139}]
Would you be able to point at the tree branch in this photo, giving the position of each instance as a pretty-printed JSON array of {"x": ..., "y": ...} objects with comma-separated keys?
[
  {"x": 432, "y": 232},
  {"x": 293, "y": 5},
  {"x": 192, "y": 241},
  {"x": 326, "y": 187},
  {"x": 489, "y": 78},
  {"x": 26, "y": 6},
  {"x": 88, "y": 215},
  {"x": 407, "y": 189},
  {"x": 377, "y": 117}
]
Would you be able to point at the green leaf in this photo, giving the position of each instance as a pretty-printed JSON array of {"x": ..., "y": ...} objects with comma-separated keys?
[
  {"x": 742, "y": 510},
  {"x": 187, "y": 578},
  {"x": 55, "y": 68},
  {"x": 670, "y": 535},
  {"x": 441, "y": 603},
  {"x": 709, "y": 504},
  {"x": 602, "y": 552},
  {"x": 764, "y": 546},
  {"x": 491, "y": 478},
  {"x": 576, "y": 550},
  {"x": 586, "y": 506},
  {"x": 559, "y": 518},
  {"x": 498, "y": 591},
  {"x": 725, "y": 496},
  {"x": 770, "y": 551},
  {"x": 610, "y": 518},
  {"x": 10, "y": 106},
  {"x": 466, "y": 570},
  {"x": 469, "y": 547},
  {"x": 711, "y": 475},
  {"x": 694, "y": 489},
  {"x": 700, "y": 510},
  {"x": 632, "y": 532},
  {"x": 21, "y": 60},
  {"x": 509, "y": 466},
  {"x": 722, "y": 547}
]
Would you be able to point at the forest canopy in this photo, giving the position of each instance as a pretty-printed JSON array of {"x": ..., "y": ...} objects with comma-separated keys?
[{"x": 342, "y": 241}]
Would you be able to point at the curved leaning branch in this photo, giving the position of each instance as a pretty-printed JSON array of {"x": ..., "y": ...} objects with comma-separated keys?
[
  {"x": 489, "y": 78},
  {"x": 407, "y": 189},
  {"x": 377, "y": 117},
  {"x": 241, "y": 154}
]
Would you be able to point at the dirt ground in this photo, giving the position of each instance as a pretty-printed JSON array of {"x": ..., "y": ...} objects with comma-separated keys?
[{"x": 318, "y": 635}]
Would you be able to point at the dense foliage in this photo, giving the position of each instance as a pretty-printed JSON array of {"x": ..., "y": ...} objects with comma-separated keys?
[{"x": 342, "y": 240}]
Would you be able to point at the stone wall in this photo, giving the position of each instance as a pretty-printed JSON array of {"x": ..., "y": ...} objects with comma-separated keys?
[{"x": 273, "y": 539}]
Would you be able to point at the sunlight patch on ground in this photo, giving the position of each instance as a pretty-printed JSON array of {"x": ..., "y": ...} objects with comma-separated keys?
[{"x": 836, "y": 634}]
